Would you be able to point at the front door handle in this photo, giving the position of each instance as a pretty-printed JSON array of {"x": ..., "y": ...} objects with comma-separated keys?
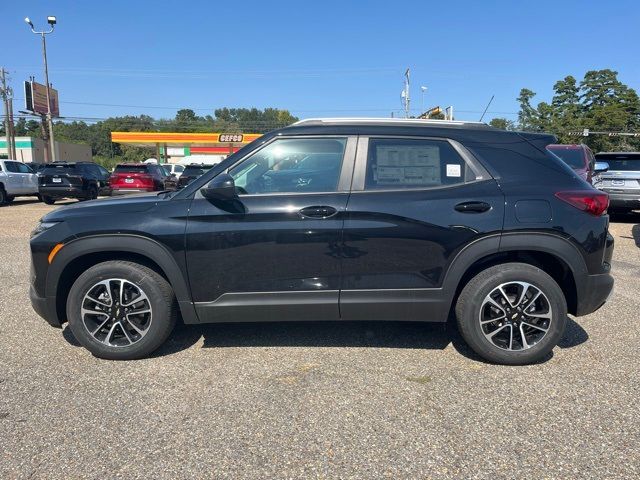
[
  {"x": 318, "y": 212},
  {"x": 473, "y": 207}
]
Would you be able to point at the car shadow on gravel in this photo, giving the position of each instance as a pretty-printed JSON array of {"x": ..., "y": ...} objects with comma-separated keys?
[
  {"x": 414, "y": 335},
  {"x": 635, "y": 231}
]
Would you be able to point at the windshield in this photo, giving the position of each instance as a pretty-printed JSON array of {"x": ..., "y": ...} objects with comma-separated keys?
[
  {"x": 130, "y": 169},
  {"x": 574, "y": 157}
]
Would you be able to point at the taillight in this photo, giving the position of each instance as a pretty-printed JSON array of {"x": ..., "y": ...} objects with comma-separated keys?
[
  {"x": 594, "y": 202},
  {"x": 146, "y": 179}
]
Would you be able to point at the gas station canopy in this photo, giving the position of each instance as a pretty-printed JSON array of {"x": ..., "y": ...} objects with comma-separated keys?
[{"x": 191, "y": 143}]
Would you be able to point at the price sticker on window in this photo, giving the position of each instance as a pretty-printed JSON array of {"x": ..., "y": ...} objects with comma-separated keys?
[{"x": 453, "y": 170}]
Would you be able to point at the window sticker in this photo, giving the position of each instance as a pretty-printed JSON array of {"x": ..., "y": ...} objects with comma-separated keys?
[
  {"x": 407, "y": 165},
  {"x": 453, "y": 170}
]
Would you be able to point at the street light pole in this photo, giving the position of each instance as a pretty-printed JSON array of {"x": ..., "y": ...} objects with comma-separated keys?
[
  {"x": 51, "y": 21},
  {"x": 422, "y": 89}
]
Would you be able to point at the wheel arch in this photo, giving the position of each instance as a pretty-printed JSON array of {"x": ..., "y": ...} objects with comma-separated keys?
[
  {"x": 81, "y": 254},
  {"x": 553, "y": 254}
]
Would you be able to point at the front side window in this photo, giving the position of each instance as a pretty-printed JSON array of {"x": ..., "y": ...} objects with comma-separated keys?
[
  {"x": 413, "y": 163},
  {"x": 22, "y": 168},
  {"x": 300, "y": 165}
]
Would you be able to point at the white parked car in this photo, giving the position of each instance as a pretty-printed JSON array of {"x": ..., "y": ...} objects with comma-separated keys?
[
  {"x": 174, "y": 169},
  {"x": 16, "y": 179}
]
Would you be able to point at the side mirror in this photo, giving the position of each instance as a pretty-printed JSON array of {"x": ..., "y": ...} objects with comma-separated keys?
[
  {"x": 221, "y": 187},
  {"x": 601, "y": 167}
]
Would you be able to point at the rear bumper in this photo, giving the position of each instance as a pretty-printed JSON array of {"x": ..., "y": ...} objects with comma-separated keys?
[
  {"x": 66, "y": 191},
  {"x": 594, "y": 293},
  {"x": 624, "y": 200},
  {"x": 126, "y": 191},
  {"x": 45, "y": 307}
]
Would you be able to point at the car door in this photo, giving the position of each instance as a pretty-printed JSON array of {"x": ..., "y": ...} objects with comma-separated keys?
[
  {"x": 272, "y": 253},
  {"x": 103, "y": 179},
  {"x": 18, "y": 180},
  {"x": 30, "y": 179},
  {"x": 416, "y": 203}
]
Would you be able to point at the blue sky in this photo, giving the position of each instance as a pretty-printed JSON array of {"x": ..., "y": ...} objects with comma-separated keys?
[{"x": 329, "y": 58}]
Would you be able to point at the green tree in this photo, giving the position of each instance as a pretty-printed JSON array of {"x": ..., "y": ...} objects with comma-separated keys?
[
  {"x": 502, "y": 123},
  {"x": 600, "y": 102}
]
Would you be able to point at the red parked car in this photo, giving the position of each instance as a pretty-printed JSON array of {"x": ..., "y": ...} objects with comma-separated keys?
[
  {"x": 579, "y": 157},
  {"x": 137, "y": 178}
]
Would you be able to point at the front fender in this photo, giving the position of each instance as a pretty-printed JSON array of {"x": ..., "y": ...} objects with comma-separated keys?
[{"x": 127, "y": 243}]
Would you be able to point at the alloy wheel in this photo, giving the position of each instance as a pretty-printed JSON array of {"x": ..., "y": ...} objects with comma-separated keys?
[
  {"x": 515, "y": 316},
  {"x": 116, "y": 312}
]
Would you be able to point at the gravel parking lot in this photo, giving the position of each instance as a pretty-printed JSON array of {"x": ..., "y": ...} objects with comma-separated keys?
[{"x": 319, "y": 400}]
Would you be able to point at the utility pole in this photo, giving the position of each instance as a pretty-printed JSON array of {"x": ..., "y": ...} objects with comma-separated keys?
[
  {"x": 407, "y": 99},
  {"x": 51, "y": 21},
  {"x": 6, "y": 94}
]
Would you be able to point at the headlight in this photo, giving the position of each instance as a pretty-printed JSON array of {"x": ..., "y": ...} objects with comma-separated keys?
[{"x": 41, "y": 227}]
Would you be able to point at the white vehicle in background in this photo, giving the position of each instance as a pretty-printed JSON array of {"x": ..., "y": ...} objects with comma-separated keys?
[
  {"x": 174, "y": 169},
  {"x": 16, "y": 179}
]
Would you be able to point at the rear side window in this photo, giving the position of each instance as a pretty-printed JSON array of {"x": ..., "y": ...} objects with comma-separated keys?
[
  {"x": 574, "y": 157},
  {"x": 12, "y": 167},
  {"x": 414, "y": 163},
  {"x": 131, "y": 169}
]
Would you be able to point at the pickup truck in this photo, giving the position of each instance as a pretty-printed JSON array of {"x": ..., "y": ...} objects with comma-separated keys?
[{"x": 16, "y": 179}]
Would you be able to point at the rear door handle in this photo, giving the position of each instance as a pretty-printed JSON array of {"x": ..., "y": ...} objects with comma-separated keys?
[
  {"x": 318, "y": 212},
  {"x": 473, "y": 207}
]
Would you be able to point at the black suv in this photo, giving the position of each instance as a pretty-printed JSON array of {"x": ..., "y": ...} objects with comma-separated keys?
[
  {"x": 340, "y": 220},
  {"x": 81, "y": 180},
  {"x": 190, "y": 173}
]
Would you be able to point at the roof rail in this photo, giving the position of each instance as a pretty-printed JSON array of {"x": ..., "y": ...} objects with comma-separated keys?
[{"x": 382, "y": 120}]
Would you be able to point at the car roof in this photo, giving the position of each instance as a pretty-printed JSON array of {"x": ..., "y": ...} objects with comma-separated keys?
[
  {"x": 568, "y": 146},
  {"x": 457, "y": 130},
  {"x": 413, "y": 122}
]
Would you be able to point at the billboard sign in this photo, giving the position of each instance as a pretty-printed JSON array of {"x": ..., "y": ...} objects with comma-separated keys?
[{"x": 35, "y": 99}]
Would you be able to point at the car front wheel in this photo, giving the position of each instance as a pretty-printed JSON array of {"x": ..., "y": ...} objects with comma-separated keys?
[
  {"x": 512, "y": 314},
  {"x": 121, "y": 310}
]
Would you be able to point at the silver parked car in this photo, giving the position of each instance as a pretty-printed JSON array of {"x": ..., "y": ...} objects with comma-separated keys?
[
  {"x": 618, "y": 174},
  {"x": 16, "y": 179}
]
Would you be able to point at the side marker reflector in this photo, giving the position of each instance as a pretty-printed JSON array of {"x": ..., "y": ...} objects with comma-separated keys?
[{"x": 54, "y": 251}]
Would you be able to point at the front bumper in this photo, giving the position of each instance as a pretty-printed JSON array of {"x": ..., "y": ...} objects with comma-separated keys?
[
  {"x": 595, "y": 291},
  {"x": 45, "y": 307}
]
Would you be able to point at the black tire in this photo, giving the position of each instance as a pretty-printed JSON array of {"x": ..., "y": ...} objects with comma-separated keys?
[
  {"x": 163, "y": 305},
  {"x": 48, "y": 200},
  {"x": 92, "y": 193},
  {"x": 471, "y": 300},
  {"x": 3, "y": 196},
  {"x": 9, "y": 199}
]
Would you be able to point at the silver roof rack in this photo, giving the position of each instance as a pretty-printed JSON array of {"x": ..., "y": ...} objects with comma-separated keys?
[{"x": 381, "y": 121}]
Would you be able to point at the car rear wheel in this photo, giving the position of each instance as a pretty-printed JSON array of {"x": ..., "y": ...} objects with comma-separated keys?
[
  {"x": 512, "y": 314},
  {"x": 48, "y": 200},
  {"x": 121, "y": 310},
  {"x": 92, "y": 193}
]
